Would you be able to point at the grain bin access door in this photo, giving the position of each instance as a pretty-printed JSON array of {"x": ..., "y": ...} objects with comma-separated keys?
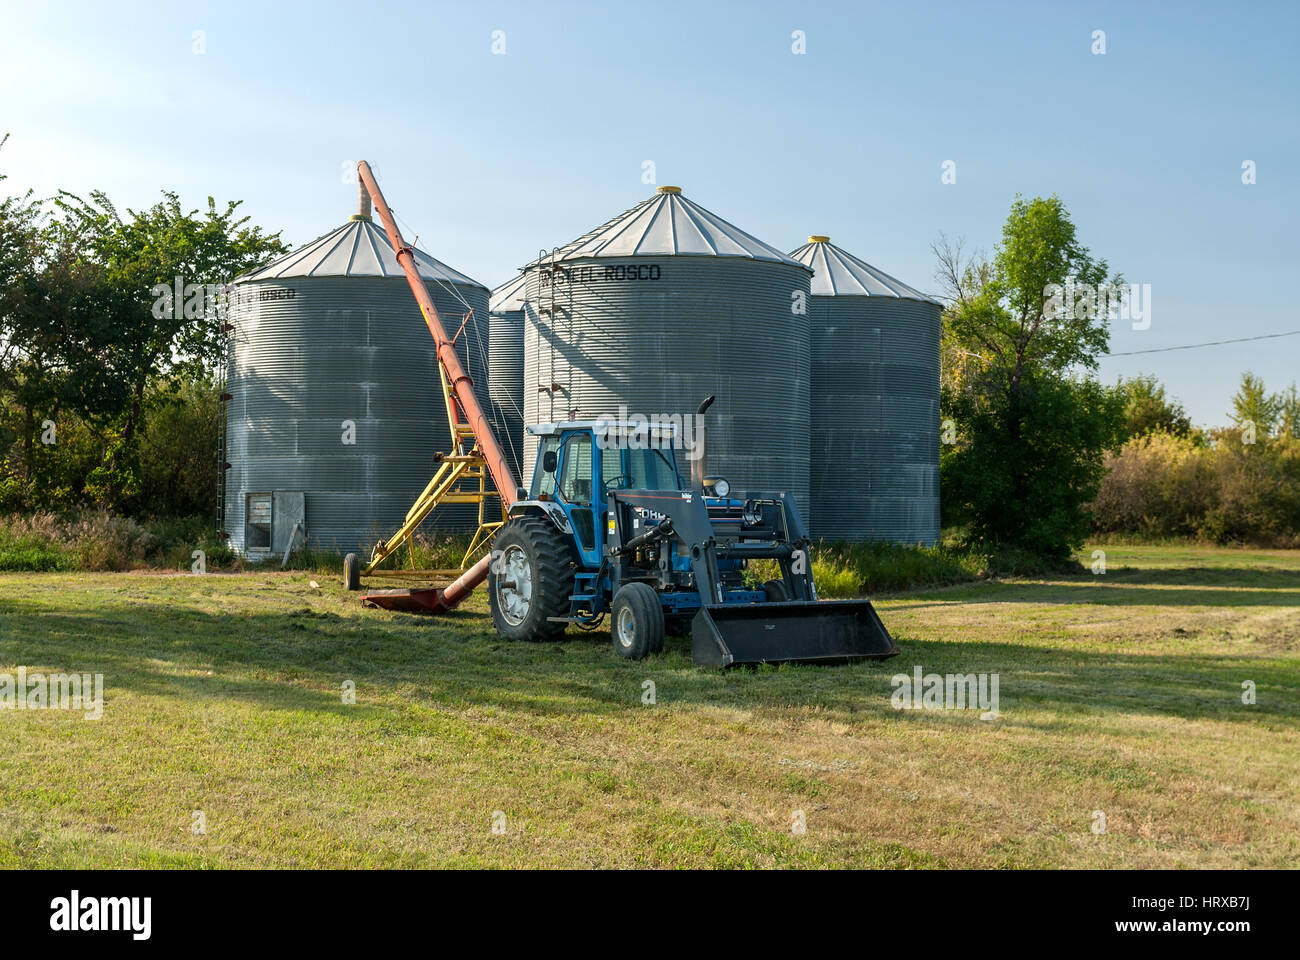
[
  {"x": 288, "y": 510},
  {"x": 270, "y": 519}
]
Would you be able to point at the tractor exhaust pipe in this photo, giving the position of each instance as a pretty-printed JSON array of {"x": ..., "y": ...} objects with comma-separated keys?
[{"x": 700, "y": 457}]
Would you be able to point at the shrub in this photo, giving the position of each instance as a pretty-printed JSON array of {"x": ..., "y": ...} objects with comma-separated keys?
[
  {"x": 1157, "y": 485},
  {"x": 29, "y": 550},
  {"x": 842, "y": 569},
  {"x": 1162, "y": 486},
  {"x": 1256, "y": 491}
]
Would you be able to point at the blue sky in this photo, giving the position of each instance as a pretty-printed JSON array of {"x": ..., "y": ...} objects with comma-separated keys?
[{"x": 491, "y": 157}]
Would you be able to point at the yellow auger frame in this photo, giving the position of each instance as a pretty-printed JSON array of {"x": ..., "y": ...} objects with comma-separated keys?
[{"x": 462, "y": 477}]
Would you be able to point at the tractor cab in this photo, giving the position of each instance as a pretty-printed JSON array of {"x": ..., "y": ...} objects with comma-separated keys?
[{"x": 580, "y": 461}]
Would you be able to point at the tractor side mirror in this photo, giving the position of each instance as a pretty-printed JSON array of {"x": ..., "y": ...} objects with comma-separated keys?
[{"x": 549, "y": 461}]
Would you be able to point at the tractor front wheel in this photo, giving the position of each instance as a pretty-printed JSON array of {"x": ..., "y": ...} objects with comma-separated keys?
[
  {"x": 352, "y": 572},
  {"x": 530, "y": 580},
  {"x": 638, "y": 628}
]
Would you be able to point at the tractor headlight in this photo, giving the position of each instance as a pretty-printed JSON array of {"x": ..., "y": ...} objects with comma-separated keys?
[{"x": 718, "y": 485}]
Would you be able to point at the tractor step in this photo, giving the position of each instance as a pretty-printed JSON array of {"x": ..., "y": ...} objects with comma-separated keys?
[{"x": 793, "y": 631}]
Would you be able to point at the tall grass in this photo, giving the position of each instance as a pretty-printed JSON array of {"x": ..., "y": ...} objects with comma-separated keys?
[
  {"x": 26, "y": 550},
  {"x": 96, "y": 541},
  {"x": 855, "y": 569}
]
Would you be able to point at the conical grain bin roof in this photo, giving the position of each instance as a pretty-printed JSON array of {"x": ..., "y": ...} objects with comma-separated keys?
[
  {"x": 359, "y": 248},
  {"x": 669, "y": 225},
  {"x": 838, "y": 273}
]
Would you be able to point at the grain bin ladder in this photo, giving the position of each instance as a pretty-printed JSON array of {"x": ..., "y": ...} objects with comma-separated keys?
[{"x": 476, "y": 455}]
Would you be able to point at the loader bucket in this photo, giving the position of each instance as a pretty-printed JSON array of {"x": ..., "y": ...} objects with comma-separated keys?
[{"x": 799, "y": 631}]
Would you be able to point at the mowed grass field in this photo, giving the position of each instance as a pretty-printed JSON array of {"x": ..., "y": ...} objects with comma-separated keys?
[{"x": 1119, "y": 693}]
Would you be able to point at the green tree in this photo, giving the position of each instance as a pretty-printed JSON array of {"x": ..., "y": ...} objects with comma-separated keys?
[
  {"x": 143, "y": 256},
  {"x": 1253, "y": 404},
  {"x": 1032, "y": 424},
  {"x": 19, "y": 250},
  {"x": 56, "y": 352},
  {"x": 1148, "y": 410},
  {"x": 19, "y": 219},
  {"x": 88, "y": 344},
  {"x": 1288, "y": 407}
]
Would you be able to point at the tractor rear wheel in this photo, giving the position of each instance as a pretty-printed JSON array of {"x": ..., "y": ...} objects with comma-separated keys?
[
  {"x": 638, "y": 627},
  {"x": 531, "y": 579}
]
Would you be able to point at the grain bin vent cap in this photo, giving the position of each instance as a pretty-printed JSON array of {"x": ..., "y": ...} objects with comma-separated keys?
[
  {"x": 665, "y": 225},
  {"x": 508, "y": 297},
  {"x": 359, "y": 248},
  {"x": 838, "y": 273}
]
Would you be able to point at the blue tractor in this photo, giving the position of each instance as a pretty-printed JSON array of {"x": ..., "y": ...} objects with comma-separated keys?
[{"x": 610, "y": 527}]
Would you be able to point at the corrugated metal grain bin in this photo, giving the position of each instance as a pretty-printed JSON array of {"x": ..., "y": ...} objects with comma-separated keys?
[
  {"x": 875, "y": 401},
  {"x": 661, "y": 307},
  {"x": 335, "y": 391},
  {"x": 506, "y": 368}
]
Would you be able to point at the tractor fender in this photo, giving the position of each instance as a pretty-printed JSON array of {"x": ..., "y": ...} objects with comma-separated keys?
[{"x": 549, "y": 509}]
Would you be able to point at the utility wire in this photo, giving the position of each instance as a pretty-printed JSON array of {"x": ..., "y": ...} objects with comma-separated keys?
[{"x": 1212, "y": 343}]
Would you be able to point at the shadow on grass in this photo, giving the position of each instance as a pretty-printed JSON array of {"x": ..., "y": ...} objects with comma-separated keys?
[
  {"x": 1259, "y": 578},
  {"x": 1126, "y": 588},
  {"x": 298, "y": 660}
]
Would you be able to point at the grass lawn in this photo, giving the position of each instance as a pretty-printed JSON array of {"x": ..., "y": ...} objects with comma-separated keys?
[{"x": 1120, "y": 693}]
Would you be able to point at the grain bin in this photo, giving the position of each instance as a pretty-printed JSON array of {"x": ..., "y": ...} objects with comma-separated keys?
[
  {"x": 506, "y": 368},
  {"x": 336, "y": 407},
  {"x": 875, "y": 401},
  {"x": 657, "y": 309}
]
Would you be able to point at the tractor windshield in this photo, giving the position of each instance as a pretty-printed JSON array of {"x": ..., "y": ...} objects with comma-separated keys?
[
  {"x": 648, "y": 469},
  {"x": 651, "y": 470}
]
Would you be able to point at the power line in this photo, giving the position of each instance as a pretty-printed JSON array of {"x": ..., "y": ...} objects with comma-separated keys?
[{"x": 1212, "y": 343}]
